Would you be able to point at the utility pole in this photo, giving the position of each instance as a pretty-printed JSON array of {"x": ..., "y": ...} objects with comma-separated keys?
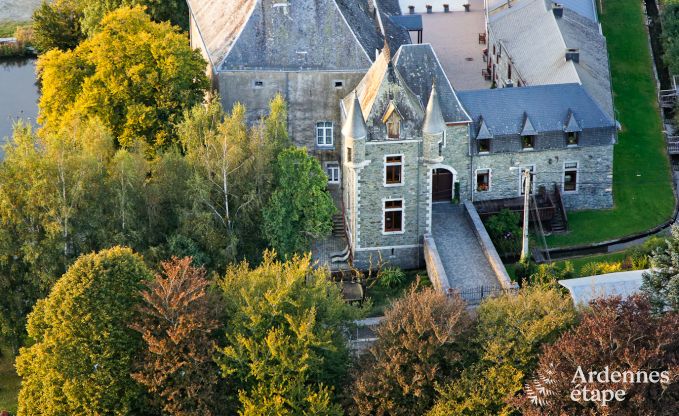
[{"x": 525, "y": 254}]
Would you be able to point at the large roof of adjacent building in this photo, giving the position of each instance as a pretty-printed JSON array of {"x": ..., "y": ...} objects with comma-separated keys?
[
  {"x": 585, "y": 8},
  {"x": 504, "y": 111},
  {"x": 295, "y": 35},
  {"x": 536, "y": 41}
]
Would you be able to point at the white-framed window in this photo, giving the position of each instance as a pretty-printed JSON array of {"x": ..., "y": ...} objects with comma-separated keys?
[
  {"x": 324, "y": 133},
  {"x": 570, "y": 177},
  {"x": 392, "y": 217},
  {"x": 483, "y": 177},
  {"x": 393, "y": 170},
  {"x": 333, "y": 172},
  {"x": 522, "y": 184}
]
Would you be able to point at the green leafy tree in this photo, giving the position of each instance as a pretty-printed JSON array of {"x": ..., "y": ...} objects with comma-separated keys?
[
  {"x": 56, "y": 25},
  {"x": 82, "y": 352},
  {"x": 670, "y": 25},
  {"x": 418, "y": 346},
  {"x": 232, "y": 177},
  {"x": 300, "y": 208},
  {"x": 176, "y": 321},
  {"x": 510, "y": 331},
  {"x": 48, "y": 211},
  {"x": 661, "y": 282},
  {"x": 135, "y": 75},
  {"x": 285, "y": 349}
]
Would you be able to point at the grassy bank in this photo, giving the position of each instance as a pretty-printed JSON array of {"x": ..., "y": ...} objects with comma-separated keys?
[
  {"x": 9, "y": 382},
  {"x": 642, "y": 186},
  {"x": 7, "y": 28}
]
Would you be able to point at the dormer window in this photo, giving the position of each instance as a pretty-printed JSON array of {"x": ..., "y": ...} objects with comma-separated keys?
[
  {"x": 394, "y": 127},
  {"x": 527, "y": 142},
  {"x": 392, "y": 120},
  {"x": 572, "y": 138}
]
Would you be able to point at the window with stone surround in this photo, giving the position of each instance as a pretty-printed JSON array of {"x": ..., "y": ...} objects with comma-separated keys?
[
  {"x": 348, "y": 154},
  {"x": 394, "y": 126},
  {"x": 332, "y": 170},
  {"x": 570, "y": 177},
  {"x": 324, "y": 134},
  {"x": 393, "y": 170},
  {"x": 527, "y": 142},
  {"x": 482, "y": 180},
  {"x": 393, "y": 216}
]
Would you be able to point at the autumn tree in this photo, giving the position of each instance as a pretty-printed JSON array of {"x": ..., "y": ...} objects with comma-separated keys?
[
  {"x": 82, "y": 348},
  {"x": 661, "y": 282},
  {"x": 57, "y": 25},
  {"x": 618, "y": 335},
  {"x": 176, "y": 321},
  {"x": 509, "y": 332},
  {"x": 417, "y": 347},
  {"x": 300, "y": 208},
  {"x": 135, "y": 75},
  {"x": 285, "y": 349}
]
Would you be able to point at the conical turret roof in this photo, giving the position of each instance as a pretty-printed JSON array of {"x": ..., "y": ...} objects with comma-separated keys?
[
  {"x": 433, "y": 119},
  {"x": 354, "y": 125}
]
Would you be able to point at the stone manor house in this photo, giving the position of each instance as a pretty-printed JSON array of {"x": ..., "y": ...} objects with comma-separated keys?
[{"x": 379, "y": 110}]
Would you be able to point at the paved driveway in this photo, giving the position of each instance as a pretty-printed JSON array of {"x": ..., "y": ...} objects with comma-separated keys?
[{"x": 463, "y": 260}]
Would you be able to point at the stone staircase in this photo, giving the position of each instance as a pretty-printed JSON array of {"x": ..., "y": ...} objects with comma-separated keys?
[{"x": 338, "y": 226}]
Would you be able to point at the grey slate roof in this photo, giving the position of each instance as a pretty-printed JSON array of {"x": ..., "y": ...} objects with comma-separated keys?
[
  {"x": 536, "y": 41},
  {"x": 585, "y": 8},
  {"x": 419, "y": 65},
  {"x": 304, "y": 35},
  {"x": 503, "y": 110}
]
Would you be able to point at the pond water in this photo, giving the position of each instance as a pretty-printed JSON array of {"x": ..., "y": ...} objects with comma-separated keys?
[{"x": 18, "y": 94}]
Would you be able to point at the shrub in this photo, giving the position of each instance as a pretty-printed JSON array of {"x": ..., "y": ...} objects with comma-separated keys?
[
  {"x": 505, "y": 232},
  {"x": 594, "y": 268},
  {"x": 391, "y": 277}
]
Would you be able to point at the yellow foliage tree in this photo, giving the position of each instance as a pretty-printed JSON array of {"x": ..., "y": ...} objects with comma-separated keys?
[{"x": 136, "y": 76}]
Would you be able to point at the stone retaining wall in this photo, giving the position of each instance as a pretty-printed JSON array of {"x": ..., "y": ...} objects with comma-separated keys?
[{"x": 435, "y": 270}]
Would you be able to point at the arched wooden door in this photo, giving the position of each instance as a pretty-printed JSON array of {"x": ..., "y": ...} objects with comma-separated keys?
[{"x": 442, "y": 185}]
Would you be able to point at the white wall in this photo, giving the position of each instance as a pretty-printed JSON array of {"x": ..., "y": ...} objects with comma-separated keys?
[{"x": 437, "y": 5}]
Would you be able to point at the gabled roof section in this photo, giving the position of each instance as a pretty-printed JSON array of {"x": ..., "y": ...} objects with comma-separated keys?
[
  {"x": 292, "y": 35},
  {"x": 572, "y": 125},
  {"x": 585, "y": 8},
  {"x": 368, "y": 88},
  {"x": 528, "y": 129},
  {"x": 503, "y": 109},
  {"x": 391, "y": 109},
  {"x": 484, "y": 132},
  {"x": 420, "y": 67}
]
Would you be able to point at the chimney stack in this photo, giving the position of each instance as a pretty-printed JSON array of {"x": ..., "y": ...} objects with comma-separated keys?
[
  {"x": 573, "y": 54},
  {"x": 557, "y": 9}
]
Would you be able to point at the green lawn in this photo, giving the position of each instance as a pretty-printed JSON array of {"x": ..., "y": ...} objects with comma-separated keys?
[
  {"x": 7, "y": 28},
  {"x": 9, "y": 382},
  {"x": 641, "y": 175}
]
